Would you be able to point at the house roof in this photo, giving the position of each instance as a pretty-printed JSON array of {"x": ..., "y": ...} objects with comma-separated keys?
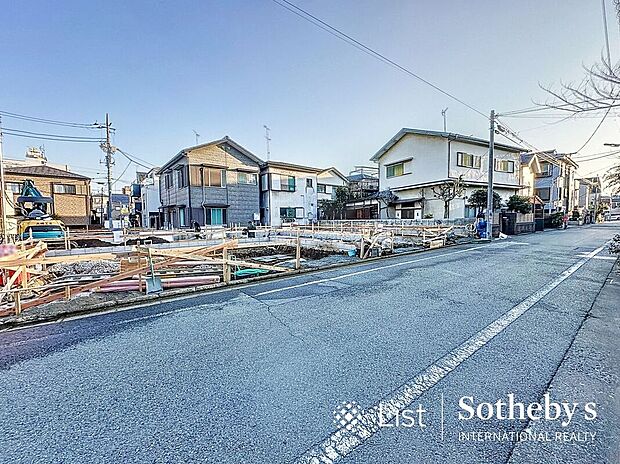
[
  {"x": 302, "y": 168},
  {"x": 337, "y": 172},
  {"x": 549, "y": 156},
  {"x": 43, "y": 171},
  {"x": 215, "y": 143},
  {"x": 291, "y": 166},
  {"x": 446, "y": 135}
]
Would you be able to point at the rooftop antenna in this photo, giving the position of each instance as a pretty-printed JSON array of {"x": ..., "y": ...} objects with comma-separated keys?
[
  {"x": 443, "y": 113},
  {"x": 267, "y": 140},
  {"x": 197, "y": 135}
]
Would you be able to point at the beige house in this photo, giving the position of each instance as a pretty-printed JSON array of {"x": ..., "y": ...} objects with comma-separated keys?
[{"x": 70, "y": 191}]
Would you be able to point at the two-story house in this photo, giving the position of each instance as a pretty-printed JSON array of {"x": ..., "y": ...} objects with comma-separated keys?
[
  {"x": 291, "y": 193},
  {"x": 150, "y": 199},
  {"x": 555, "y": 182},
  {"x": 415, "y": 162},
  {"x": 211, "y": 184}
]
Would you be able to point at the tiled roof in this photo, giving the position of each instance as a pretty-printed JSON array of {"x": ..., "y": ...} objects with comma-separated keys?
[{"x": 43, "y": 171}]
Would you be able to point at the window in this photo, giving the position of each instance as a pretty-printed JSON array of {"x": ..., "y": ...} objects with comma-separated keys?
[
  {"x": 64, "y": 188},
  {"x": 264, "y": 182},
  {"x": 321, "y": 188},
  {"x": 287, "y": 183},
  {"x": 394, "y": 170},
  {"x": 215, "y": 216},
  {"x": 467, "y": 160},
  {"x": 309, "y": 183},
  {"x": 546, "y": 169},
  {"x": 182, "y": 217},
  {"x": 504, "y": 165},
  {"x": 182, "y": 177},
  {"x": 246, "y": 178},
  {"x": 168, "y": 180},
  {"x": 543, "y": 193},
  {"x": 470, "y": 211},
  {"x": 15, "y": 187},
  {"x": 287, "y": 213}
]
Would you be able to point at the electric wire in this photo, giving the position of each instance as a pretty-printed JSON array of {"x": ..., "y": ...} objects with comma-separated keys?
[
  {"x": 366, "y": 49},
  {"x": 24, "y": 117}
]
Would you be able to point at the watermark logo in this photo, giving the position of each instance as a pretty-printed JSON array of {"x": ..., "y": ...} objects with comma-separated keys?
[{"x": 347, "y": 415}]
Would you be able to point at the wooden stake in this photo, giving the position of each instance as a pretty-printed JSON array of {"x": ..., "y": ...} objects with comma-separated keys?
[
  {"x": 226, "y": 266},
  {"x": 298, "y": 252},
  {"x": 18, "y": 303}
]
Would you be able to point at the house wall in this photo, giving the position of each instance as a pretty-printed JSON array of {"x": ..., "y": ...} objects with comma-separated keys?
[
  {"x": 304, "y": 198},
  {"x": 243, "y": 200},
  {"x": 435, "y": 206},
  {"x": 481, "y": 174},
  {"x": 72, "y": 209},
  {"x": 331, "y": 182},
  {"x": 426, "y": 161}
]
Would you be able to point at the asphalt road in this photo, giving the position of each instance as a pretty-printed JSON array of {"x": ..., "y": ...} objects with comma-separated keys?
[{"x": 253, "y": 374}]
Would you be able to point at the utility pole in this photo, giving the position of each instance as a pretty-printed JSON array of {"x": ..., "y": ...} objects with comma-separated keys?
[
  {"x": 108, "y": 162},
  {"x": 490, "y": 180},
  {"x": 443, "y": 113},
  {"x": 267, "y": 140},
  {"x": 606, "y": 33},
  {"x": 2, "y": 190},
  {"x": 197, "y": 136}
]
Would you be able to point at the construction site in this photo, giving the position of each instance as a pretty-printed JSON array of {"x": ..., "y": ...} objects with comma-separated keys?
[{"x": 87, "y": 269}]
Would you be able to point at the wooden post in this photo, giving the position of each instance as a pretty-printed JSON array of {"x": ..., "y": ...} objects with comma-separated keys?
[
  {"x": 226, "y": 266},
  {"x": 67, "y": 292},
  {"x": 18, "y": 303},
  {"x": 298, "y": 252}
]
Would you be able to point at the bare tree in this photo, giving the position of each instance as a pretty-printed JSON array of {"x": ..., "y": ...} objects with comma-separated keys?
[
  {"x": 613, "y": 178},
  {"x": 448, "y": 191},
  {"x": 599, "y": 91}
]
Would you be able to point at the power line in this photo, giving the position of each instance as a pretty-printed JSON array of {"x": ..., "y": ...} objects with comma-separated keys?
[
  {"x": 53, "y": 135},
  {"x": 8, "y": 114},
  {"x": 49, "y": 138},
  {"x": 366, "y": 49},
  {"x": 130, "y": 158},
  {"x": 595, "y": 130},
  {"x": 592, "y": 158}
]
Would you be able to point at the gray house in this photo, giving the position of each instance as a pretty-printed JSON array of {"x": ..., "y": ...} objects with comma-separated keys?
[
  {"x": 214, "y": 183},
  {"x": 555, "y": 183}
]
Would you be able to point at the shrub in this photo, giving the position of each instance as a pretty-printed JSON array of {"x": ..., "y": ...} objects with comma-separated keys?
[{"x": 519, "y": 204}]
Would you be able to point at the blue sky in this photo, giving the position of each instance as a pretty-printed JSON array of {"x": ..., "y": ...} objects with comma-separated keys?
[{"x": 163, "y": 69}]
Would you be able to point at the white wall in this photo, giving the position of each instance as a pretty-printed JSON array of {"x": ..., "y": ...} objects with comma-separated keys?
[
  {"x": 428, "y": 161},
  {"x": 304, "y": 198},
  {"x": 331, "y": 182},
  {"x": 150, "y": 198},
  {"x": 481, "y": 174}
]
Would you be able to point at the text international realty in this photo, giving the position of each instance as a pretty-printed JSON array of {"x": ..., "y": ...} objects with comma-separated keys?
[{"x": 528, "y": 435}]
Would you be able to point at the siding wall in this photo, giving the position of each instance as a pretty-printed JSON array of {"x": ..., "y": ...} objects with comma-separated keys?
[
  {"x": 242, "y": 199},
  {"x": 72, "y": 209}
]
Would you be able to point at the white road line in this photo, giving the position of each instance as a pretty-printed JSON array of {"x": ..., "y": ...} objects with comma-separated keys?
[
  {"x": 365, "y": 271},
  {"x": 342, "y": 442}
]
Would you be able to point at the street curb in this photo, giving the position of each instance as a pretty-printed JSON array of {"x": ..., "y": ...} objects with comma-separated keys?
[{"x": 170, "y": 295}]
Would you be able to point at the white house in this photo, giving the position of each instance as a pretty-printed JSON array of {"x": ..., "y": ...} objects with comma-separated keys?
[
  {"x": 291, "y": 193},
  {"x": 415, "y": 161},
  {"x": 151, "y": 203}
]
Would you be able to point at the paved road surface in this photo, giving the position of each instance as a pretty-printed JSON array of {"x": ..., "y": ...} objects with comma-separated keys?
[{"x": 254, "y": 374}]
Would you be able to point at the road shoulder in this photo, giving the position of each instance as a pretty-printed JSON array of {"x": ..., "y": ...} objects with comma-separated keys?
[{"x": 590, "y": 371}]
